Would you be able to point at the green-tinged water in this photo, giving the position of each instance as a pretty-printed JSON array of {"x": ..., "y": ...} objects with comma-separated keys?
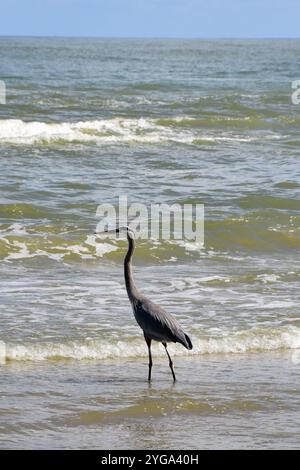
[{"x": 160, "y": 121}]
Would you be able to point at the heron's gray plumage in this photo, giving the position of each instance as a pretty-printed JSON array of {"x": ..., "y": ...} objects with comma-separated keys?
[{"x": 156, "y": 323}]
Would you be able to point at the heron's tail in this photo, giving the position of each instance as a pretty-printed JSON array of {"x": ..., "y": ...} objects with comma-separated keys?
[
  {"x": 184, "y": 340},
  {"x": 188, "y": 342}
]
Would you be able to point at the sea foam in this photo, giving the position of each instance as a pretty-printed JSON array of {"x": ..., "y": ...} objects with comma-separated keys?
[
  {"x": 112, "y": 131},
  {"x": 253, "y": 340}
]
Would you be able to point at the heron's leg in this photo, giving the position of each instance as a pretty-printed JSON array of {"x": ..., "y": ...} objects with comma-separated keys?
[
  {"x": 148, "y": 341},
  {"x": 170, "y": 361}
]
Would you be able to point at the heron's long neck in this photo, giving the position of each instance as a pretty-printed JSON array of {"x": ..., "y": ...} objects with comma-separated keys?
[{"x": 131, "y": 288}]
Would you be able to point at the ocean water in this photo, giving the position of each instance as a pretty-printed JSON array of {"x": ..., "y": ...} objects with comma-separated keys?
[{"x": 160, "y": 121}]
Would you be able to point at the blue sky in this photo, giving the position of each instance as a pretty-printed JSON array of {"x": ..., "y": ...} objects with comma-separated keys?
[{"x": 151, "y": 18}]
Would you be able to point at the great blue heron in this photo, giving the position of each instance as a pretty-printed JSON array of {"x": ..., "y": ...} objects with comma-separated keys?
[{"x": 156, "y": 323}]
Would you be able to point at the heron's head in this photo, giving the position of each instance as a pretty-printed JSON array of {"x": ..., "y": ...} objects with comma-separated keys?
[
  {"x": 119, "y": 230},
  {"x": 129, "y": 232}
]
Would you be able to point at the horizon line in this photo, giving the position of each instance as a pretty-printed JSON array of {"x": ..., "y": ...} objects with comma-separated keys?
[{"x": 205, "y": 38}]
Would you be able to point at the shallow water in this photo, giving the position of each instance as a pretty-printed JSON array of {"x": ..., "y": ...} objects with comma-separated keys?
[
  {"x": 236, "y": 401},
  {"x": 162, "y": 122}
]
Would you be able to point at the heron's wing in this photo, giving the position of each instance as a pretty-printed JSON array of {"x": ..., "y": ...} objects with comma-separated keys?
[{"x": 157, "y": 323}]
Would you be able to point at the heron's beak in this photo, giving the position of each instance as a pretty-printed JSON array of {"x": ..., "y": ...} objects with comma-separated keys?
[{"x": 114, "y": 230}]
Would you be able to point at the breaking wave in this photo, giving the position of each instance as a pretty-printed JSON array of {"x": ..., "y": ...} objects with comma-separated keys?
[
  {"x": 117, "y": 130},
  {"x": 257, "y": 339},
  {"x": 260, "y": 231}
]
